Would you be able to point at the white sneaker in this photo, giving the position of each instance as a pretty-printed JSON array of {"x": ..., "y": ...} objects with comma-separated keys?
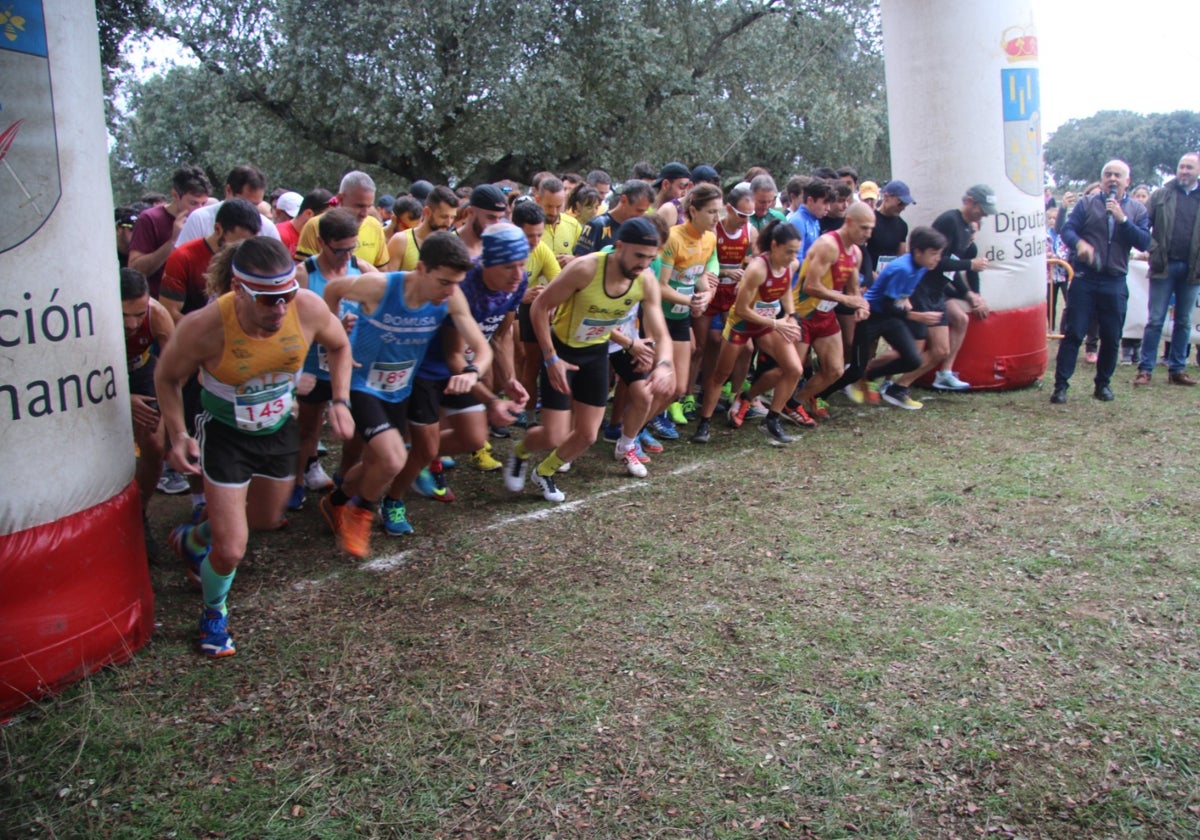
[
  {"x": 947, "y": 380},
  {"x": 315, "y": 477},
  {"x": 566, "y": 467},
  {"x": 171, "y": 482},
  {"x": 550, "y": 491},
  {"x": 633, "y": 464},
  {"x": 516, "y": 471}
]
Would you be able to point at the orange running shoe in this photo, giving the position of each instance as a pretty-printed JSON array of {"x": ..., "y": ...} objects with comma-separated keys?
[
  {"x": 355, "y": 534},
  {"x": 332, "y": 514}
]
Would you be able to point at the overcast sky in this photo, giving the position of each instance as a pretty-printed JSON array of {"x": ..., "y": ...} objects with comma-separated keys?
[{"x": 1155, "y": 64}]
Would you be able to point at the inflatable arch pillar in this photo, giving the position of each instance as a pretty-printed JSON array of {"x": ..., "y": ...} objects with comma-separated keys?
[
  {"x": 74, "y": 586},
  {"x": 963, "y": 109}
]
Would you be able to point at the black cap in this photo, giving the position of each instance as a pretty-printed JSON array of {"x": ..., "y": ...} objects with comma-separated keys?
[
  {"x": 488, "y": 197},
  {"x": 420, "y": 190},
  {"x": 638, "y": 231},
  {"x": 671, "y": 171},
  {"x": 705, "y": 174},
  {"x": 126, "y": 216}
]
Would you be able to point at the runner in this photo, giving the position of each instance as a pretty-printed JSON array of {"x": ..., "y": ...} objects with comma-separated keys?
[
  {"x": 404, "y": 247},
  {"x": 443, "y": 422},
  {"x": 735, "y": 244},
  {"x": 591, "y": 296},
  {"x": 894, "y": 320},
  {"x": 688, "y": 277},
  {"x": 248, "y": 346},
  {"x": 146, "y": 323},
  {"x": 337, "y": 239},
  {"x": 764, "y": 293},
  {"x": 400, "y": 315},
  {"x": 829, "y": 279}
]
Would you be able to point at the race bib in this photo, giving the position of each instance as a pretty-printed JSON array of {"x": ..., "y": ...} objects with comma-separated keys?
[
  {"x": 724, "y": 279},
  {"x": 628, "y": 325},
  {"x": 593, "y": 330},
  {"x": 390, "y": 377},
  {"x": 768, "y": 308},
  {"x": 826, "y": 305},
  {"x": 683, "y": 308},
  {"x": 263, "y": 402},
  {"x": 322, "y": 358}
]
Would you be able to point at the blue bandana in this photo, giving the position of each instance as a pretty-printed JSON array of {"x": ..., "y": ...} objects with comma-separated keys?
[{"x": 504, "y": 244}]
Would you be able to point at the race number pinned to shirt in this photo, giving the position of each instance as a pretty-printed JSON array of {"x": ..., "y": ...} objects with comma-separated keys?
[
  {"x": 264, "y": 402},
  {"x": 592, "y": 330},
  {"x": 390, "y": 377}
]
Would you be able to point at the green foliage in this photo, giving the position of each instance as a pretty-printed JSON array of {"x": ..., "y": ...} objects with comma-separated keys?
[
  {"x": 1151, "y": 145},
  {"x": 463, "y": 91},
  {"x": 117, "y": 20}
]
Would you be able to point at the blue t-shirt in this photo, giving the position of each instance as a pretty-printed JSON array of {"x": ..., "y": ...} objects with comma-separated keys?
[
  {"x": 390, "y": 343},
  {"x": 809, "y": 227},
  {"x": 316, "y": 362},
  {"x": 488, "y": 308},
  {"x": 897, "y": 280}
]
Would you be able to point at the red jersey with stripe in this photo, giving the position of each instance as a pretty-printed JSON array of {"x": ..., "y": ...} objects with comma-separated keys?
[
  {"x": 766, "y": 302},
  {"x": 732, "y": 247},
  {"x": 844, "y": 269},
  {"x": 731, "y": 254},
  {"x": 137, "y": 346}
]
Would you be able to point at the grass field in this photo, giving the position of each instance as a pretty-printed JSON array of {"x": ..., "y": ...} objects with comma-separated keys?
[{"x": 974, "y": 620}]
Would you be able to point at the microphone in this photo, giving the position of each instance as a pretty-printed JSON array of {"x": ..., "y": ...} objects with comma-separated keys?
[{"x": 1112, "y": 196}]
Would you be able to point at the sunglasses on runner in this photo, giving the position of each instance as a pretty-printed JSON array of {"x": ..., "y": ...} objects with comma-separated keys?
[{"x": 271, "y": 299}]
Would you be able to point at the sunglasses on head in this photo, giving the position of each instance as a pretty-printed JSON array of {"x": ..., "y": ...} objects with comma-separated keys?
[{"x": 271, "y": 299}]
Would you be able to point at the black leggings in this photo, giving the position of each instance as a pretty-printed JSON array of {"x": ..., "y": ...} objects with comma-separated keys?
[{"x": 899, "y": 337}]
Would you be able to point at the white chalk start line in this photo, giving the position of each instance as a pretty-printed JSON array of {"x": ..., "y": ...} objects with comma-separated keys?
[{"x": 400, "y": 559}]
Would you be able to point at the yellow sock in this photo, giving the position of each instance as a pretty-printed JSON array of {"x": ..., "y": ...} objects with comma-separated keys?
[
  {"x": 550, "y": 465},
  {"x": 520, "y": 451}
]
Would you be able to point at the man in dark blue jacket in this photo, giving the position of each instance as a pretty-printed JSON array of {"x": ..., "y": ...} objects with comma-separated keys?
[{"x": 1101, "y": 230}]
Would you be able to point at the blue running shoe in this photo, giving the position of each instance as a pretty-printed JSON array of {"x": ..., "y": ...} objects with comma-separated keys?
[
  {"x": 648, "y": 442},
  {"x": 424, "y": 485},
  {"x": 664, "y": 427},
  {"x": 297, "y": 500},
  {"x": 215, "y": 641},
  {"x": 395, "y": 517},
  {"x": 448, "y": 463},
  {"x": 612, "y": 432},
  {"x": 441, "y": 489},
  {"x": 191, "y": 559}
]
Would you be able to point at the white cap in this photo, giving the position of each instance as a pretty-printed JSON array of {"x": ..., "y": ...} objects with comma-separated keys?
[{"x": 290, "y": 203}]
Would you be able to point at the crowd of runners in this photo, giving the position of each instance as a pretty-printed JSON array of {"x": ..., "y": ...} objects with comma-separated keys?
[{"x": 422, "y": 328}]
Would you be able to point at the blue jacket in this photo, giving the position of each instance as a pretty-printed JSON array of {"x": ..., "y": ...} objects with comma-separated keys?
[{"x": 1089, "y": 223}]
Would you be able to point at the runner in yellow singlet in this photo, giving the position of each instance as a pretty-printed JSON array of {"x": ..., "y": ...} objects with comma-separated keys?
[
  {"x": 249, "y": 346},
  {"x": 593, "y": 295}
]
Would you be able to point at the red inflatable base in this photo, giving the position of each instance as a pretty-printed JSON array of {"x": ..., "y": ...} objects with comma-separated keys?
[
  {"x": 1005, "y": 350},
  {"x": 76, "y": 596}
]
